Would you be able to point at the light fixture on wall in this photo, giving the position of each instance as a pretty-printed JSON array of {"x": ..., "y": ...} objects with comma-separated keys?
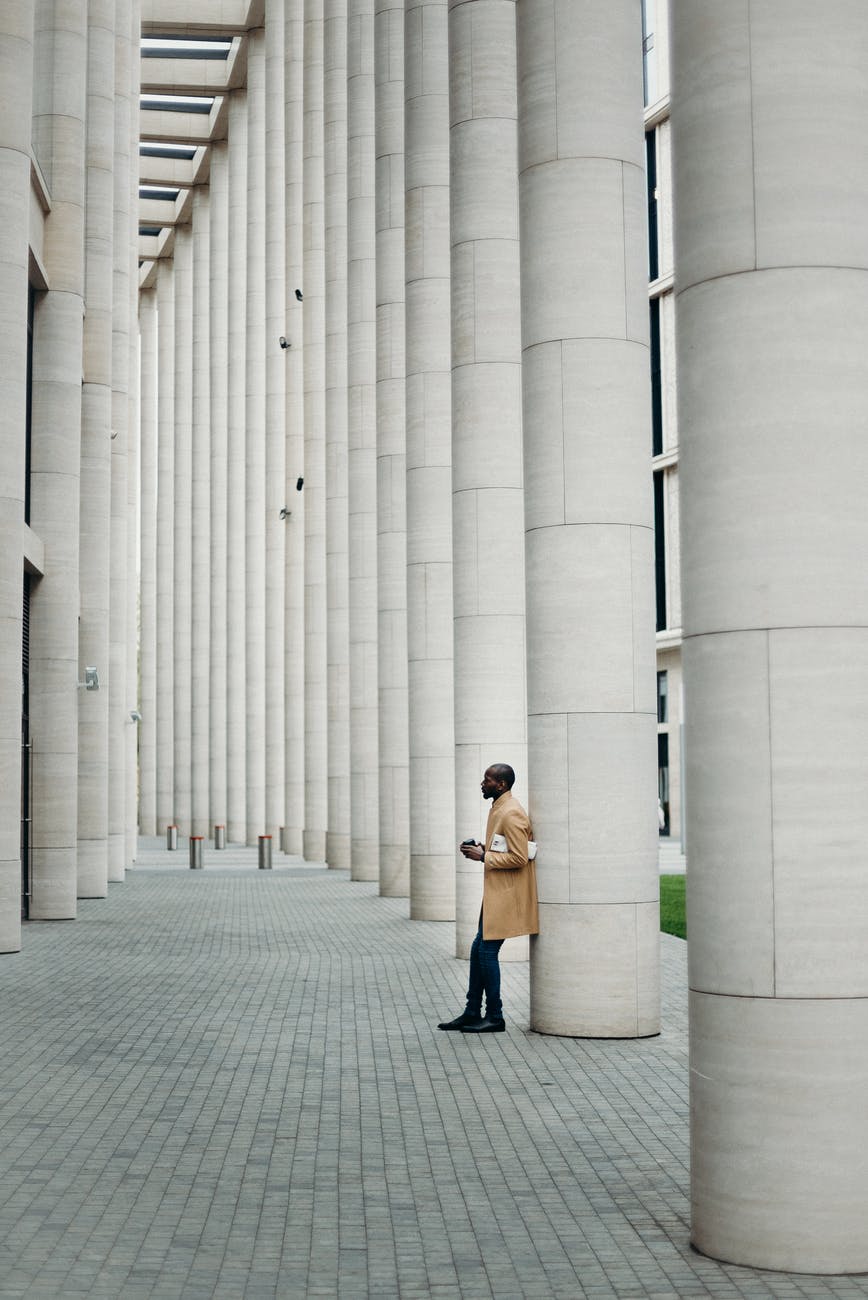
[
  {"x": 299, "y": 295},
  {"x": 91, "y": 680},
  {"x": 284, "y": 513},
  {"x": 135, "y": 716}
]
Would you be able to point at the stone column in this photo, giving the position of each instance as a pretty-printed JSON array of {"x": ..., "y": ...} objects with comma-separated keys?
[
  {"x": 316, "y": 622},
  {"x": 236, "y": 563},
  {"x": 16, "y": 76},
  {"x": 218, "y": 305},
  {"x": 182, "y": 680},
  {"x": 429, "y": 463},
  {"x": 589, "y": 539},
  {"x": 165, "y": 546},
  {"x": 487, "y": 489},
  {"x": 200, "y": 596},
  {"x": 393, "y": 735},
  {"x": 362, "y": 380},
  {"x": 255, "y": 414},
  {"x": 275, "y": 421},
  {"x": 95, "y": 478},
  {"x": 772, "y": 323},
  {"x": 294, "y": 588},
  {"x": 337, "y": 545},
  {"x": 119, "y": 679},
  {"x": 60, "y": 106},
  {"x": 131, "y": 809},
  {"x": 148, "y": 581}
]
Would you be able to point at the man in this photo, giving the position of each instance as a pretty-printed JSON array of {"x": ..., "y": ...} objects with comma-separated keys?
[{"x": 509, "y": 901}]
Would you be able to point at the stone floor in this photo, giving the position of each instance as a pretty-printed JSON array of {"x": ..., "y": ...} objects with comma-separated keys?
[{"x": 229, "y": 1083}]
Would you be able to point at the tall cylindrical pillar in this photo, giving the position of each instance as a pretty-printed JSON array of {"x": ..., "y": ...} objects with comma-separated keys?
[
  {"x": 95, "y": 480},
  {"x": 362, "y": 381},
  {"x": 294, "y": 571},
  {"x": 275, "y": 419},
  {"x": 337, "y": 546},
  {"x": 183, "y": 526},
  {"x": 588, "y": 511},
  {"x": 148, "y": 580},
  {"x": 393, "y": 729},
  {"x": 772, "y": 320},
  {"x": 487, "y": 488},
  {"x": 429, "y": 462},
  {"x": 16, "y": 74},
  {"x": 200, "y": 596},
  {"x": 165, "y": 543},
  {"x": 60, "y": 105},
  {"x": 218, "y": 307},
  {"x": 236, "y": 642},
  {"x": 255, "y": 458},
  {"x": 316, "y": 620},
  {"x": 121, "y": 673}
]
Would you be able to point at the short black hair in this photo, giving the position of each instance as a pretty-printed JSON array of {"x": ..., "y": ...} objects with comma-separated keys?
[{"x": 503, "y": 772}]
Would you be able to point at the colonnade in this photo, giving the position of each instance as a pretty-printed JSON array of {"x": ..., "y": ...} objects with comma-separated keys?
[{"x": 391, "y": 381}]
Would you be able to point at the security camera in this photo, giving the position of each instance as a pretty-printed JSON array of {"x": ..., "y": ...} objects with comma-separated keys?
[
  {"x": 135, "y": 716},
  {"x": 299, "y": 295},
  {"x": 283, "y": 343},
  {"x": 299, "y": 484}
]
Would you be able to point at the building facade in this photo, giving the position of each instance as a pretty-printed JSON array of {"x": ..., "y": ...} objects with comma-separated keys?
[{"x": 342, "y": 452}]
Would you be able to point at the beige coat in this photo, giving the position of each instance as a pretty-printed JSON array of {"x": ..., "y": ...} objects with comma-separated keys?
[{"x": 509, "y": 902}]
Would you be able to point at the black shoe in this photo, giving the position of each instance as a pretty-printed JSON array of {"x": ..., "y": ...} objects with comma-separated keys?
[
  {"x": 460, "y": 1021},
  {"x": 485, "y": 1026}
]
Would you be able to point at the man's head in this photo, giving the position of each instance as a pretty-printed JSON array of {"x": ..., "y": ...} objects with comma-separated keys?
[{"x": 497, "y": 780}]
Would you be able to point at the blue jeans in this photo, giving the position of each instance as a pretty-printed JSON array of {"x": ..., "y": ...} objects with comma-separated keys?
[{"x": 484, "y": 976}]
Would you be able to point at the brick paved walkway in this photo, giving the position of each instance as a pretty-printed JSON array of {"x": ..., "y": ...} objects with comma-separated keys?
[{"x": 228, "y": 1083}]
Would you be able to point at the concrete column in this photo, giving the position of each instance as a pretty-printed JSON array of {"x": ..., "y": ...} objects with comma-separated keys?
[
  {"x": 119, "y": 679},
  {"x": 315, "y": 632},
  {"x": 218, "y": 306},
  {"x": 362, "y": 380},
  {"x": 487, "y": 489},
  {"x": 95, "y": 478},
  {"x": 393, "y": 734},
  {"x": 60, "y": 106},
  {"x": 337, "y": 545},
  {"x": 255, "y": 414},
  {"x": 133, "y": 447},
  {"x": 275, "y": 421},
  {"x": 236, "y": 562},
  {"x": 148, "y": 581},
  {"x": 200, "y": 596},
  {"x": 294, "y": 587},
  {"x": 165, "y": 545},
  {"x": 16, "y": 76},
  {"x": 772, "y": 322},
  {"x": 590, "y": 638},
  {"x": 429, "y": 463},
  {"x": 182, "y": 683}
]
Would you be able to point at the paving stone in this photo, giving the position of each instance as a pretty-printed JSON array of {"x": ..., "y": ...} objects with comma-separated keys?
[{"x": 229, "y": 1083}]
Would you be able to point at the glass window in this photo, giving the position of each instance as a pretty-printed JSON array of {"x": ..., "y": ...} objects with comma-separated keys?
[
  {"x": 656, "y": 381},
  {"x": 663, "y": 697},
  {"x": 649, "y": 55},
  {"x": 660, "y": 550}
]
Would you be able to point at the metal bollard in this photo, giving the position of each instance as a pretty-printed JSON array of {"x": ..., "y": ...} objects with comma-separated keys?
[
  {"x": 282, "y": 839},
  {"x": 219, "y": 837},
  {"x": 171, "y": 837},
  {"x": 265, "y": 853},
  {"x": 196, "y": 853}
]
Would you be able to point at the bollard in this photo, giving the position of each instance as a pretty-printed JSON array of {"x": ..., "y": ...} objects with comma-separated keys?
[
  {"x": 171, "y": 837},
  {"x": 265, "y": 853},
  {"x": 196, "y": 853},
  {"x": 219, "y": 837},
  {"x": 282, "y": 839}
]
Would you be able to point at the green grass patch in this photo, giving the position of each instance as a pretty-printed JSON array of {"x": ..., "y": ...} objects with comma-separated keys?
[{"x": 673, "y": 919}]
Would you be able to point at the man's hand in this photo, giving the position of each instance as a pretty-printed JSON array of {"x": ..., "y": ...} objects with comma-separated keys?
[{"x": 471, "y": 849}]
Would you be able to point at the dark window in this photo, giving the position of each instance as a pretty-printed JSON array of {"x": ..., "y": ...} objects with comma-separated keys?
[
  {"x": 651, "y": 174},
  {"x": 663, "y": 697},
  {"x": 28, "y": 417},
  {"x": 656, "y": 381},
  {"x": 660, "y": 550},
  {"x": 649, "y": 62},
  {"x": 663, "y": 778}
]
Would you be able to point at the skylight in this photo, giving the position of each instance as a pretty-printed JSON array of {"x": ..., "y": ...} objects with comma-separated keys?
[
  {"x": 165, "y": 149},
  {"x": 165, "y": 47},
  {"x": 170, "y": 192},
  {"x": 177, "y": 103}
]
